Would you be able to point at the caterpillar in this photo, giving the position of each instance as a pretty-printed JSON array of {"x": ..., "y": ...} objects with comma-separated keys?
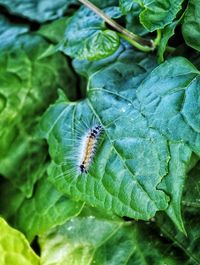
[{"x": 88, "y": 148}]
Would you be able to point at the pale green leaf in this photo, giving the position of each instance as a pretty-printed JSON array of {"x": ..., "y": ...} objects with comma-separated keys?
[{"x": 14, "y": 248}]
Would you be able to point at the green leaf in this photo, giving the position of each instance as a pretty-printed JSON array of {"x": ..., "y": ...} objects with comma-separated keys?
[
  {"x": 34, "y": 216},
  {"x": 24, "y": 95},
  {"x": 167, "y": 33},
  {"x": 133, "y": 132},
  {"x": 132, "y": 20},
  {"x": 156, "y": 14},
  {"x": 90, "y": 239},
  {"x": 86, "y": 35},
  {"x": 191, "y": 24},
  {"x": 119, "y": 180},
  {"x": 40, "y": 11},
  {"x": 14, "y": 248},
  {"x": 9, "y": 32},
  {"x": 190, "y": 205},
  {"x": 168, "y": 100},
  {"x": 126, "y": 5},
  {"x": 125, "y": 55},
  {"x": 55, "y": 30},
  {"x": 191, "y": 196}
]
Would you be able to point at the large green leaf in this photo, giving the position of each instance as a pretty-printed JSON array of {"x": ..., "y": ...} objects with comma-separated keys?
[
  {"x": 34, "y": 216},
  {"x": 14, "y": 248},
  {"x": 90, "y": 239},
  {"x": 24, "y": 95},
  {"x": 128, "y": 156},
  {"x": 191, "y": 25},
  {"x": 40, "y": 11},
  {"x": 156, "y": 14},
  {"x": 86, "y": 35},
  {"x": 145, "y": 142},
  {"x": 168, "y": 100}
]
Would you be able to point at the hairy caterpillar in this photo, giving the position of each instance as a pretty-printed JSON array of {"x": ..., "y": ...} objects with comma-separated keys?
[{"x": 88, "y": 148}]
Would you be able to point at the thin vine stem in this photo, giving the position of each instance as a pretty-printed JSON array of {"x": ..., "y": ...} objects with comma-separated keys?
[{"x": 135, "y": 40}]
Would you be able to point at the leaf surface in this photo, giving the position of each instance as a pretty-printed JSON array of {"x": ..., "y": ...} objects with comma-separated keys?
[
  {"x": 34, "y": 216},
  {"x": 24, "y": 95},
  {"x": 117, "y": 179},
  {"x": 137, "y": 152},
  {"x": 14, "y": 247},
  {"x": 191, "y": 25},
  {"x": 40, "y": 11},
  {"x": 155, "y": 14},
  {"x": 90, "y": 239},
  {"x": 86, "y": 35}
]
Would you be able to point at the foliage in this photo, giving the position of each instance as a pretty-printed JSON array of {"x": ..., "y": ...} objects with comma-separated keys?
[{"x": 131, "y": 67}]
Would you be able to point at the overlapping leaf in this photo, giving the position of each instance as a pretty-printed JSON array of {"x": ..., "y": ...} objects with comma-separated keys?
[
  {"x": 40, "y": 11},
  {"x": 9, "y": 32},
  {"x": 34, "y": 216},
  {"x": 27, "y": 86},
  {"x": 191, "y": 25},
  {"x": 156, "y": 14},
  {"x": 14, "y": 247},
  {"x": 86, "y": 35},
  {"x": 92, "y": 239},
  {"x": 189, "y": 244}
]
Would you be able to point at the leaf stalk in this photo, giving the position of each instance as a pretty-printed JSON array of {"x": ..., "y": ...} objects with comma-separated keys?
[{"x": 135, "y": 40}]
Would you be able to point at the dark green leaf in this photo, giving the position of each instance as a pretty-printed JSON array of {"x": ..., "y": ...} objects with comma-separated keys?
[
  {"x": 9, "y": 32},
  {"x": 133, "y": 132},
  {"x": 167, "y": 33},
  {"x": 128, "y": 155},
  {"x": 40, "y": 11},
  {"x": 191, "y": 25},
  {"x": 125, "y": 55},
  {"x": 157, "y": 13},
  {"x": 55, "y": 30},
  {"x": 89, "y": 239},
  {"x": 86, "y": 35},
  {"x": 167, "y": 100},
  {"x": 132, "y": 20},
  {"x": 47, "y": 208}
]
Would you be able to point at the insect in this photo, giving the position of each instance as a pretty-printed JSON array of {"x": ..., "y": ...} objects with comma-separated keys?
[
  {"x": 80, "y": 150},
  {"x": 88, "y": 148}
]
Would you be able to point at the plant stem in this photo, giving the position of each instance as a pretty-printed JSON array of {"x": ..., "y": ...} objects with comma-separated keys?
[{"x": 135, "y": 40}]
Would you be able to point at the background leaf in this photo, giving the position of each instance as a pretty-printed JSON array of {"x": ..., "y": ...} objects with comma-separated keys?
[
  {"x": 191, "y": 24},
  {"x": 34, "y": 216},
  {"x": 190, "y": 205},
  {"x": 89, "y": 238},
  {"x": 24, "y": 95},
  {"x": 40, "y": 11},
  {"x": 14, "y": 247},
  {"x": 86, "y": 35},
  {"x": 9, "y": 32},
  {"x": 156, "y": 14}
]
